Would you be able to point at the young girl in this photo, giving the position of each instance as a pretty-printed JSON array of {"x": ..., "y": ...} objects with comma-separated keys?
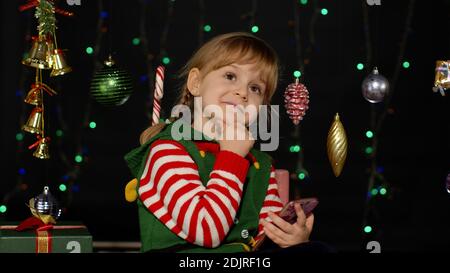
[{"x": 215, "y": 195}]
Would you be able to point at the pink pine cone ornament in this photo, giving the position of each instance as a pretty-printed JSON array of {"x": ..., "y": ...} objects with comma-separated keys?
[{"x": 296, "y": 99}]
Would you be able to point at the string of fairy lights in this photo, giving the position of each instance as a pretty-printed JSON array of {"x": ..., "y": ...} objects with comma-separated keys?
[
  {"x": 302, "y": 57},
  {"x": 378, "y": 186},
  {"x": 70, "y": 180},
  {"x": 20, "y": 185}
]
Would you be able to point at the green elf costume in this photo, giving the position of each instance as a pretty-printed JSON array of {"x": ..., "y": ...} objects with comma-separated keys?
[{"x": 155, "y": 236}]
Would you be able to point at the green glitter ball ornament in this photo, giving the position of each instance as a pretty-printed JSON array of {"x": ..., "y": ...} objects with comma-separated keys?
[{"x": 111, "y": 86}]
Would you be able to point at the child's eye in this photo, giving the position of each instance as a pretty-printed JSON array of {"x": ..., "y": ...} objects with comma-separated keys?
[
  {"x": 230, "y": 76},
  {"x": 255, "y": 89}
]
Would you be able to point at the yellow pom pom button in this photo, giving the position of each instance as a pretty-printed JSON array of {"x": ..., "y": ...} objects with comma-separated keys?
[
  {"x": 131, "y": 191},
  {"x": 256, "y": 164},
  {"x": 202, "y": 153}
]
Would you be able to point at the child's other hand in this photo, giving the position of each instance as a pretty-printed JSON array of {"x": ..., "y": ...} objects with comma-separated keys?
[{"x": 284, "y": 234}]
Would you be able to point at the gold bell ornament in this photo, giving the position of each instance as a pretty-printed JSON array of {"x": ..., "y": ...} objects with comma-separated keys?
[
  {"x": 42, "y": 148},
  {"x": 34, "y": 123},
  {"x": 337, "y": 145},
  {"x": 38, "y": 56},
  {"x": 60, "y": 66},
  {"x": 34, "y": 96}
]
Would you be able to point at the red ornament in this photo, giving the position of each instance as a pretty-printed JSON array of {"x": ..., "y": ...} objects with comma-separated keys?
[{"x": 296, "y": 99}]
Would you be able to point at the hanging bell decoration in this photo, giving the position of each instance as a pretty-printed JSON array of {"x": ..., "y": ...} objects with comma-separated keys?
[
  {"x": 38, "y": 56},
  {"x": 111, "y": 86},
  {"x": 34, "y": 122},
  {"x": 34, "y": 96},
  {"x": 442, "y": 77},
  {"x": 60, "y": 66},
  {"x": 46, "y": 205},
  {"x": 337, "y": 145},
  {"x": 42, "y": 150},
  {"x": 44, "y": 54}
]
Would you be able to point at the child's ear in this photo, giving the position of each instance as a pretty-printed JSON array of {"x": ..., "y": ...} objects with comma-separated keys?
[{"x": 193, "y": 81}]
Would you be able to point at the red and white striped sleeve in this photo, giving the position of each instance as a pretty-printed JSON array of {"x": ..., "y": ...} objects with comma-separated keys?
[
  {"x": 170, "y": 188},
  {"x": 272, "y": 201}
]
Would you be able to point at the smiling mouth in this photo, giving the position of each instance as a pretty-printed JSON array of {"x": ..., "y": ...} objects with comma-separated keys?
[{"x": 229, "y": 103}]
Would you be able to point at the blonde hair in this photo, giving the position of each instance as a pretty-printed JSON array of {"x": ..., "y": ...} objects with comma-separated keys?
[{"x": 223, "y": 50}]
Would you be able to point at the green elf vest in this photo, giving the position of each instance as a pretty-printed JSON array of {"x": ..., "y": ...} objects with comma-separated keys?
[{"x": 155, "y": 236}]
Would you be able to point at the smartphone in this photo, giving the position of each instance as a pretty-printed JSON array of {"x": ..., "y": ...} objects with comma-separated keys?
[{"x": 288, "y": 212}]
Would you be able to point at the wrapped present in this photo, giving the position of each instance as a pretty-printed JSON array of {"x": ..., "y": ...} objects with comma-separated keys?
[
  {"x": 41, "y": 234},
  {"x": 60, "y": 238}
]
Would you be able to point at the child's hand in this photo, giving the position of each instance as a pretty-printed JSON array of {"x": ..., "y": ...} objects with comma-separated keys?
[
  {"x": 284, "y": 234},
  {"x": 241, "y": 142}
]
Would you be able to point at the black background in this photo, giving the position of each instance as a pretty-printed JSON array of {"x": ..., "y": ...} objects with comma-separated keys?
[{"x": 414, "y": 142}]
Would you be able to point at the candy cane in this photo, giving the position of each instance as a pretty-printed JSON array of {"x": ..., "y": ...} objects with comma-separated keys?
[{"x": 159, "y": 83}]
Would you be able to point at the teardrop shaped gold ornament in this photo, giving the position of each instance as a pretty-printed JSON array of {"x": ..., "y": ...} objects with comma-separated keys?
[{"x": 337, "y": 146}]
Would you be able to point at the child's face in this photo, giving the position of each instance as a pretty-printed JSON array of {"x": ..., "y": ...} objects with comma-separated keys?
[{"x": 234, "y": 84}]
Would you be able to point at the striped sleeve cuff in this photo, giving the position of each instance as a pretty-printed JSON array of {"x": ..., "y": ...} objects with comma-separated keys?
[{"x": 232, "y": 162}]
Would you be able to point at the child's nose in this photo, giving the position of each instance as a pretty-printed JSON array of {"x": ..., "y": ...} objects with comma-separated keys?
[{"x": 242, "y": 92}]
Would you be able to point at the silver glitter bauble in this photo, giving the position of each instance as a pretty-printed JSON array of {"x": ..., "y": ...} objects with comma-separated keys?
[
  {"x": 375, "y": 87},
  {"x": 46, "y": 204}
]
